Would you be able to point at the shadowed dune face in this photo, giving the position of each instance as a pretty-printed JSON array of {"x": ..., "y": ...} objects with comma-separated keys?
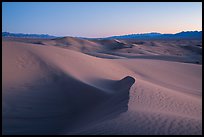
[
  {"x": 128, "y": 81},
  {"x": 61, "y": 103},
  {"x": 112, "y": 44}
]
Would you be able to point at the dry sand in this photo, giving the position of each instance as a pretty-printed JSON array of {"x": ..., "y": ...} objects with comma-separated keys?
[{"x": 53, "y": 90}]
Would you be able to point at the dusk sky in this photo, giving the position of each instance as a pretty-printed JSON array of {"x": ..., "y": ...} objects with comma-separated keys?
[{"x": 100, "y": 19}]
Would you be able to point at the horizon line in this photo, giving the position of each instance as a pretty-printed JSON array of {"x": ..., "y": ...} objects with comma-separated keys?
[{"x": 100, "y": 37}]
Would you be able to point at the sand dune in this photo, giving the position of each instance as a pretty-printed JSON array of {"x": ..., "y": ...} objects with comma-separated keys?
[
  {"x": 189, "y": 51},
  {"x": 52, "y": 90}
]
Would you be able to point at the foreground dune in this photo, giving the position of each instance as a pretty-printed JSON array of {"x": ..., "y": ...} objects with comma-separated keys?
[{"x": 52, "y": 90}]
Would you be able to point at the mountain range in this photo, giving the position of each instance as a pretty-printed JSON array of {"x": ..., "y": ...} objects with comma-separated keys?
[
  {"x": 152, "y": 35},
  {"x": 22, "y": 35},
  {"x": 155, "y": 35}
]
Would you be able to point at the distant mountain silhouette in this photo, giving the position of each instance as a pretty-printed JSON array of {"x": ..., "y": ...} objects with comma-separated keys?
[
  {"x": 21, "y": 35},
  {"x": 154, "y": 35}
]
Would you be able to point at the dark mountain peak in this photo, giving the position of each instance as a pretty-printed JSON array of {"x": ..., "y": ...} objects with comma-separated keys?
[
  {"x": 22, "y": 35},
  {"x": 156, "y": 35}
]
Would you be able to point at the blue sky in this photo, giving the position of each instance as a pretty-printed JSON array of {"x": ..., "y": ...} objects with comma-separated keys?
[{"x": 100, "y": 19}]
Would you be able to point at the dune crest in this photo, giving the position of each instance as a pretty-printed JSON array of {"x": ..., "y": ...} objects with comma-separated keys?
[{"x": 52, "y": 100}]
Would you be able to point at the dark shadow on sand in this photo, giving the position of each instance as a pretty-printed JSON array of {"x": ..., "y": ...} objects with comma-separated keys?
[{"x": 51, "y": 105}]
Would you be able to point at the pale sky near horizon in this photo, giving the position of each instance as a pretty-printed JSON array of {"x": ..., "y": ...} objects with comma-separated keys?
[{"x": 100, "y": 19}]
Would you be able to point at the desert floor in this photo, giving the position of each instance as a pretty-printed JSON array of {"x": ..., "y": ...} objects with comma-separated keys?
[{"x": 77, "y": 86}]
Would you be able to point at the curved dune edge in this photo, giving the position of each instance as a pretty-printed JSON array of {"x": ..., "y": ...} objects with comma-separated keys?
[
  {"x": 51, "y": 102},
  {"x": 103, "y": 97}
]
